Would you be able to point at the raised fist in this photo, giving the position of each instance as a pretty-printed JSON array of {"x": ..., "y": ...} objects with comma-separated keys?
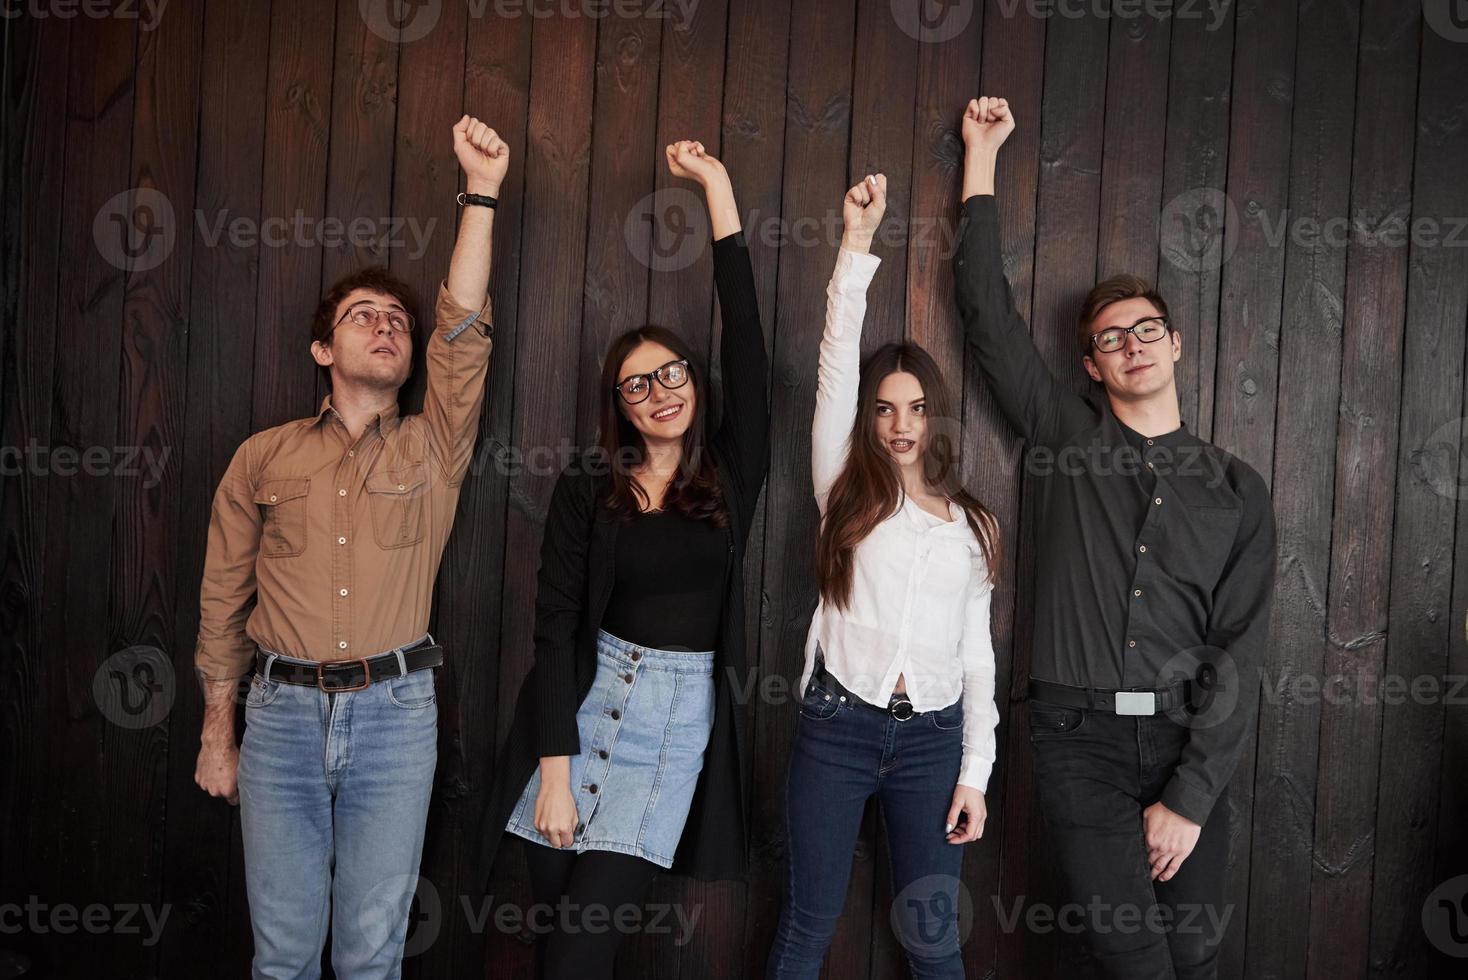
[
  {"x": 987, "y": 123},
  {"x": 862, "y": 211},
  {"x": 482, "y": 154},
  {"x": 688, "y": 158}
]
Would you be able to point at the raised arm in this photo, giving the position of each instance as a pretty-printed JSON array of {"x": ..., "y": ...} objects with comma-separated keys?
[
  {"x": 458, "y": 348},
  {"x": 839, "y": 372},
  {"x": 1038, "y": 406},
  {"x": 743, "y": 437}
]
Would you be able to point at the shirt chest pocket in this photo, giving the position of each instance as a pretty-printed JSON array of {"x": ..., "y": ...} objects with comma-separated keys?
[
  {"x": 398, "y": 498},
  {"x": 282, "y": 503}
]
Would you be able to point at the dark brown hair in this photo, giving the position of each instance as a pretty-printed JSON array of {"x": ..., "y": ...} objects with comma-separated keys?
[
  {"x": 694, "y": 491},
  {"x": 869, "y": 487},
  {"x": 375, "y": 278},
  {"x": 1113, "y": 290}
]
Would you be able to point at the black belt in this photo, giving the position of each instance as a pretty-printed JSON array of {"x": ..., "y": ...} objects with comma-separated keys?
[
  {"x": 899, "y": 706},
  {"x": 1135, "y": 702},
  {"x": 356, "y": 673}
]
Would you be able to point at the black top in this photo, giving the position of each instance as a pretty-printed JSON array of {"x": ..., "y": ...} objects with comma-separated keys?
[
  {"x": 668, "y": 588},
  {"x": 577, "y": 556},
  {"x": 1147, "y": 548}
]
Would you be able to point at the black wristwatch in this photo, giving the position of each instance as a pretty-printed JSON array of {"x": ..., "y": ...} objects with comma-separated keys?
[{"x": 483, "y": 200}]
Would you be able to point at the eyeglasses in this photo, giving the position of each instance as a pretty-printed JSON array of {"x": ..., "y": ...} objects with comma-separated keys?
[
  {"x": 1148, "y": 330},
  {"x": 367, "y": 315},
  {"x": 636, "y": 387}
]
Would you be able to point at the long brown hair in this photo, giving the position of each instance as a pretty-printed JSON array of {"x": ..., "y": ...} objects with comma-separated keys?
[
  {"x": 694, "y": 491},
  {"x": 869, "y": 488}
]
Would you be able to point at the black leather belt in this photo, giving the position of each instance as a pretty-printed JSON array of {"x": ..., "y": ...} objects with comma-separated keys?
[
  {"x": 352, "y": 675},
  {"x": 1143, "y": 702},
  {"x": 899, "y": 706}
]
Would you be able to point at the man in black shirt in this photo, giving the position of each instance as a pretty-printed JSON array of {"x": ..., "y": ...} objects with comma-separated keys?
[{"x": 1154, "y": 578}]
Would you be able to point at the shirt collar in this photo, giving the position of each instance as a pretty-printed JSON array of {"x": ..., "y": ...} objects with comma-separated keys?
[{"x": 383, "y": 417}]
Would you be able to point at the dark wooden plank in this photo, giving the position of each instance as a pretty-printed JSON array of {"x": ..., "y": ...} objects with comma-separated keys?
[
  {"x": 1366, "y": 450},
  {"x": 997, "y": 869},
  {"x": 817, "y": 120},
  {"x": 204, "y": 873},
  {"x": 1066, "y": 227},
  {"x": 1278, "y": 386},
  {"x": 297, "y": 137},
  {"x": 753, "y": 143},
  {"x": 556, "y": 159},
  {"x": 35, "y": 97},
  {"x": 1429, "y": 489}
]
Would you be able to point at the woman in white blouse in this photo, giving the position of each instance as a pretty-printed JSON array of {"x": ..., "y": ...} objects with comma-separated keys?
[{"x": 898, "y": 685}]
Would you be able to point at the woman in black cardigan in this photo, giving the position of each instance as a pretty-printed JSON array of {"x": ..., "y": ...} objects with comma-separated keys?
[{"x": 627, "y": 751}]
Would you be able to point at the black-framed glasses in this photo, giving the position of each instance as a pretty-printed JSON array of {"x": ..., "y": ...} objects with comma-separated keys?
[
  {"x": 1148, "y": 330},
  {"x": 367, "y": 315},
  {"x": 636, "y": 387}
]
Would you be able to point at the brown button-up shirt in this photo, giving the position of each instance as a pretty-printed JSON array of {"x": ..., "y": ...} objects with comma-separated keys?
[{"x": 325, "y": 548}]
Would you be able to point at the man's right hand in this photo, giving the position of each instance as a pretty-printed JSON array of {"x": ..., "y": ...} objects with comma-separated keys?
[
  {"x": 217, "y": 771},
  {"x": 555, "y": 811},
  {"x": 987, "y": 123}
]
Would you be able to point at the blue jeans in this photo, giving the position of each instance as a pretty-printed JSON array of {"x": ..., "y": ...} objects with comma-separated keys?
[
  {"x": 334, "y": 793},
  {"x": 844, "y": 753}
]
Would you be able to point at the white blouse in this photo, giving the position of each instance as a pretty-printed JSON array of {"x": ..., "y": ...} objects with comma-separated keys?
[{"x": 920, "y": 586}]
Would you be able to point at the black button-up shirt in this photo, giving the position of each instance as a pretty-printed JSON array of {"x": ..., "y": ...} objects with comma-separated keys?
[{"x": 1155, "y": 554}]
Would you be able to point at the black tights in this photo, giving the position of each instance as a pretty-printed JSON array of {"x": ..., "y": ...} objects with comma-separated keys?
[{"x": 571, "y": 883}]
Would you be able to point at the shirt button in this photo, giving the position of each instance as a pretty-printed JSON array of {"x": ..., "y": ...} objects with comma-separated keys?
[
  {"x": 616, "y": 715},
  {"x": 1157, "y": 500},
  {"x": 1149, "y": 442},
  {"x": 1131, "y": 643},
  {"x": 343, "y": 493},
  {"x": 1149, "y": 466},
  {"x": 341, "y": 540},
  {"x": 601, "y": 753},
  {"x": 580, "y": 827},
  {"x": 351, "y": 452},
  {"x": 591, "y": 788},
  {"x": 342, "y": 645},
  {"x": 344, "y": 591},
  {"x": 1141, "y": 547},
  {"x": 272, "y": 498},
  {"x": 1137, "y": 592},
  {"x": 402, "y": 486}
]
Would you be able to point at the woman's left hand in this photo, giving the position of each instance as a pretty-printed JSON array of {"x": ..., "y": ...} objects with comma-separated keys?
[{"x": 970, "y": 802}]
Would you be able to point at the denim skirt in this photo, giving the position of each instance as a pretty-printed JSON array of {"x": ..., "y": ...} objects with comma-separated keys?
[{"x": 644, "y": 727}]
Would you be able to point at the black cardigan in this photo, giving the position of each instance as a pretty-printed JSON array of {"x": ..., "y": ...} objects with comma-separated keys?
[{"x": 575, "y": 582}]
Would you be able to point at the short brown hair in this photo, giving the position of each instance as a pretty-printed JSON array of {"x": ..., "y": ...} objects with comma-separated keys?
[
  {"x": 1113, "y": 290},
  {"x": 373, "y": 277}
]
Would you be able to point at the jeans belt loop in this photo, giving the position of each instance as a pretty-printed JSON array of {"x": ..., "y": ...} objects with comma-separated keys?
[
  {"x": 402, "y": 662},
  {"x": 269, "y": 663}
]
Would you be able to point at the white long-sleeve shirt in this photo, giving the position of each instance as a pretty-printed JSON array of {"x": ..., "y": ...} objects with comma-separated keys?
[{"x": 920, "y": 587}]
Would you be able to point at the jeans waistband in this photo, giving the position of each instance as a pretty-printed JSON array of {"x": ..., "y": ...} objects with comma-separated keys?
[
  {"x": 700, "y": 661},
  {"x": 425, "y": 640}
]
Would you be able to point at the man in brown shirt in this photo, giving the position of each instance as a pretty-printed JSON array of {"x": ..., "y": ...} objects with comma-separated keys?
[{"x": 324, "y": 541}]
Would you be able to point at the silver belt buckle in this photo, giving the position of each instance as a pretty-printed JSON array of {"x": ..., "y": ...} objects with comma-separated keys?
[{"x": 1136, "y": 702}]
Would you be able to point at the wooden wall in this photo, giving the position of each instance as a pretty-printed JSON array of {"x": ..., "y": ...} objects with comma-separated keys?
[{"x": 1199, "y": 144}]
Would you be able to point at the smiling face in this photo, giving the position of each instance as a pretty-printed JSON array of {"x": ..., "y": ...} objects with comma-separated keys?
[
  {"x": 377, "y": 356},
  {"x": 664, "y": 415},
  {"x": 1136, "y": 370},
  {"x": 901, "y": 423}
]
